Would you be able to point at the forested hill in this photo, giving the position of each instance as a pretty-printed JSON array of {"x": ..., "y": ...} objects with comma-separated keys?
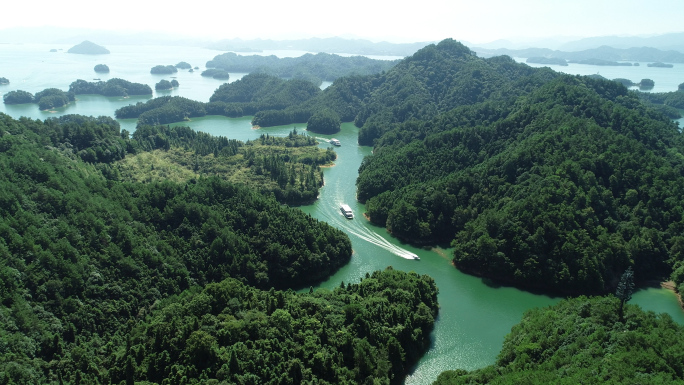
[
  {"x": 434, "y": 80},
  {"x": 314, "y": 68},
  {"x": 437, "y": 79},
  {"x": 247, "y": 96},
  {"x": 561, "y": 189},
  {"x": 584, "y": 341},
  {"x": 285, "y": 167},
  {"x": 82, "y": 254},
  {"x": 368, "y": 332}
]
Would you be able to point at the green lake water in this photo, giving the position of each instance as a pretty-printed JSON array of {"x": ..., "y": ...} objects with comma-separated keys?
[{"x": 474, "y": 315}]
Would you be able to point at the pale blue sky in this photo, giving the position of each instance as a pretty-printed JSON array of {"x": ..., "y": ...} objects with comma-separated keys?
[{"x": 477, "y": 21}]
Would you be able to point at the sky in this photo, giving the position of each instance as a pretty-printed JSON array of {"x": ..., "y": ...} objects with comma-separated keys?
[{"x": 476, "y": 21}]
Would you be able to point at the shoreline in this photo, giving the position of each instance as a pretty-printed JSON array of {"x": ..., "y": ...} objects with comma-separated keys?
[{"x": 670, "y": 285}]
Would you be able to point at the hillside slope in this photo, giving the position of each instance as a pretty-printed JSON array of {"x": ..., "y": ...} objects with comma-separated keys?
[{"x": 561, "y": 188}]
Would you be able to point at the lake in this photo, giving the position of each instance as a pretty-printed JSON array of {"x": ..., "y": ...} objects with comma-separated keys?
[{"x": 475, "y": 315}]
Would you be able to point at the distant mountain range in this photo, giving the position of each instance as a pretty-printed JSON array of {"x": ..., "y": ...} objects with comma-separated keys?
[
  {"x": 643, "y": 54},
  {"x": 666, "y": 42},
  {"x": 328, "y": 45},
  {"x": 668, "y": 48},
  {"x": 55, "y": 35}
]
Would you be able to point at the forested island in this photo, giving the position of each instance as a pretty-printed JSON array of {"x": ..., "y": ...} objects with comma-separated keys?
[
  {"x": 646, "y": 84},
  {"x": 165, "y": 85},
  {"x": 101, "y": 68},
  {"x": 216, "y": 74},
  {"x": 163, "y": 69},
  {"x": 183, "y": 65},
  {"x": 47, "y": 99},
  {"x": 314, "y": 68},
  {"x": 112, "y": 87},
  {"x": 601, "y": 62},
  {"x": 660, "y": 65},
  {"x": 247, "y": 96},
  {"x": 4, "y": 81},
  {"x": 88, "y": 48}
]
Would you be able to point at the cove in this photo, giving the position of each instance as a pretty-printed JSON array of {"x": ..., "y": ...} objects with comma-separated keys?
[{"x": 475, "y": 315}]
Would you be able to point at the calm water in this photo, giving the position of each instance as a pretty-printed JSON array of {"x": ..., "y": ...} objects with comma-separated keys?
[
  {"x": 665, "y": 79},
  {"x": 474, "y": 317}
]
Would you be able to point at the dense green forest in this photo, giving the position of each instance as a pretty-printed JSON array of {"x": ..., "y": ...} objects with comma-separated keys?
[
  {"x": 163, "y": 69},
  {"x": 673, "y": 99},
  {"x": 584, "y": 341},
  {"x": 286, "y": 167},
  {"x": 183, "y": 65},
  {"x": 538, "y": 179},
  {"x": 168, "y": 256},
  {"x": 313, "y": 68},
  {"x": 324, "y": 122},
  {"x": 17, "y": 97},
  {"x": 164, "y": 85},
  {"x": 550, "y": 181},
  {"x": 367, "y": 332},
  {"x": 101, "y": 68},
  {"x": 260, "y": 92},
  {"x": 216, "y": 74},
  {"x": 434, "y": 80},
  {"x": 46, "y": 99},
  {"x": 246, "y": 96},
  {"x": 162, "y": 110},
  {"x": 84, "y": 256},
  {"x": 111, "y": 87}
]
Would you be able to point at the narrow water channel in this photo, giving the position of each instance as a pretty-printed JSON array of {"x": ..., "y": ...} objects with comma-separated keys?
[{"x": 474, "y": 316}]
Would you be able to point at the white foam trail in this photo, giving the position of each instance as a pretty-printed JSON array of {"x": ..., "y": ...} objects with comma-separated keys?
[
  {"x": 379, "y": 241},
  {"x": 353, "y": 227}
]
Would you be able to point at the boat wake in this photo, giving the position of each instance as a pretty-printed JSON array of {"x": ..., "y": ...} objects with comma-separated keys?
[{"x": 379, "y": 241}]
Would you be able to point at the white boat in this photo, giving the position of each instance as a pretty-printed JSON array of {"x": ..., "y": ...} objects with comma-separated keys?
[
  {"x": 335, "y": 142},
  {"x": 347, "y": 211}
]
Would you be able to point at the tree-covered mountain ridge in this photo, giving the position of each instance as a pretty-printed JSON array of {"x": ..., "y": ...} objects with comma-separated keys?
[
  {"x": 434, "y": 80},
  {"x": 315, "y": 68},
  {"x": 559, "y": 185}
]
